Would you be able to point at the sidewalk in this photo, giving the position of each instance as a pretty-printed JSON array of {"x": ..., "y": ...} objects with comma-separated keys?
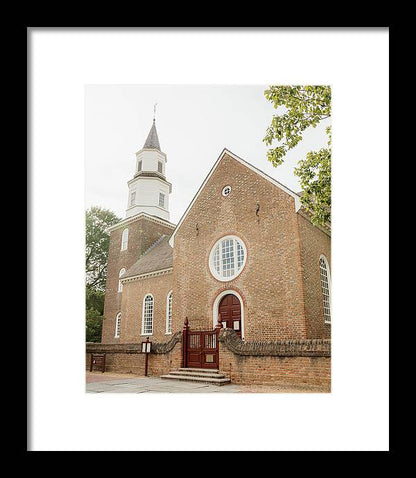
[{"x": 98, "y": 382}]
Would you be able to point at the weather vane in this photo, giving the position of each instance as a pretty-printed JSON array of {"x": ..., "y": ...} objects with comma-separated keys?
[{"x": 154, "y": 112}]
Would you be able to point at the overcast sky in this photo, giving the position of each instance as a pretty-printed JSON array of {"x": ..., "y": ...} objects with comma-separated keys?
[{"x": 194, "y": 124}]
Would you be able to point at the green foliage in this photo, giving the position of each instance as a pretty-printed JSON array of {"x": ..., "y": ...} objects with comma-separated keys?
[
  {"x": 94, "y": 322},
  {"x": 303, "y": 107},
  {"x": 96, "y": 254},
  {"x": 96, "y": 242},
  {"x": 94, "y": 299}
]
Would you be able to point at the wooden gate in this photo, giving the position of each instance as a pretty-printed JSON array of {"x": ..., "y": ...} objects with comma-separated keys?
[{"x": 200, "y": 347}]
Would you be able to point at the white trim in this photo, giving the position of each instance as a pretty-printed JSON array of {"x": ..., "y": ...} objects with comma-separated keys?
[
  {"x": 153, "y": 149},
  {"x": 224, "y": 189},
  {"x": 211, "y": 258},
  {"x": 140, "y": 177},
  {"x": 217, "y": 303},
  {"x": 118, "y": 324},
  {"x": 128, "y": 220},
  {"x": 125, "y": 239},
  {"x": 120, "y": 284},
  {"x": 167, "y": 313},
  {"x": 249, "y": 166},
  {"x": 146, "y": 205},
  {"x": 147, "y": 274},
  {"x": 153, "y": 314},
  {"x": 328, "y": 273}
]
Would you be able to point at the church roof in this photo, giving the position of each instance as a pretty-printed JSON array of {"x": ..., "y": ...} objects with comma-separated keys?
[
  {"x": 159, "y": 256},
  {"x": 152, "y": 141}
]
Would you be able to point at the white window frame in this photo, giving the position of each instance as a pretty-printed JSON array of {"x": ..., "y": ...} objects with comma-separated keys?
[
  {"x": 164, "y": 199},
  {"x": 132, "y": 198},
  {"x": 139, "y": 165},
  {"x": 124, "y": 239},
  {"x": 328, "y": 274},
  {"x": 160, "y": 167},
  {"x": 212, "y": 268},
  {"x": 121, "y": 274},
  {"x": 143, "y": 311},
  {"x": 118, "y": 323},
  {"x": 169, "y": 313},
  {"x": 226, "y": 191}
]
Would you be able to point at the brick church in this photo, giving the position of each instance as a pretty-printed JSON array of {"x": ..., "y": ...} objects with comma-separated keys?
[{"x": 240, "y": 286}]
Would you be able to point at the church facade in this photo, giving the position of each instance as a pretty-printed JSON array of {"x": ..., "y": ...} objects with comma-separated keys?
[{"x": 244, "y": 261}]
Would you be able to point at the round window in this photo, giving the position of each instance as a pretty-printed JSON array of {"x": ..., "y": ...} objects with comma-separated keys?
[
  {"x": 227, "y": 258},
  {"x": 226, "y": 190}
]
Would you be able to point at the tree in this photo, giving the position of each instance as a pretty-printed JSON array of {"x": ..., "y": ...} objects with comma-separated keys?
[
  {"x": 94, "y": 302},
  {"x": 303, "y": 107},
  {"x": 94, "y": 299},
  {"x": 94, "y": 324},
  {"x": 97, "y": 242},
  {"x": 96, "y": 254}
]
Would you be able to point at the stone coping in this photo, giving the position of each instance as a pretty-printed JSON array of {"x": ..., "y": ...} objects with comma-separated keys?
[
  {"x": 229, "y": 338},
  {"x": 282, "y": 348},
  {"x": 135, "y": 348}
]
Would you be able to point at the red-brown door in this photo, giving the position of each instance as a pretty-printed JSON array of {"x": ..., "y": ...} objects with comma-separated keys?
[
  {"x": 202, "y": 349},
  {"x": 230, "y": 310}
]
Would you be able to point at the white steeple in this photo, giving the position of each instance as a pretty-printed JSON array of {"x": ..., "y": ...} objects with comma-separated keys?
[{"x": 148, "y": 190}]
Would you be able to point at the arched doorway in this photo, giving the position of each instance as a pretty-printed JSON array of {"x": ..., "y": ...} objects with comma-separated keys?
[{"x": 229, "y": 312}]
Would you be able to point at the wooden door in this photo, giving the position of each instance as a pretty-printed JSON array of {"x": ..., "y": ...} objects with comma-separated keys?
[
  {"x": 201, "y": 349},
  {"x": 230, "y": 310}
]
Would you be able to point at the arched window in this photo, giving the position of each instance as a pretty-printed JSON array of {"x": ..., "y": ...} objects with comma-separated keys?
[
  {"x": 125, "y": 239},
  {"x": 227, "y": 258},
  {"x": 120, "y": 285},
  {"x": 147, "y": 316},
  {"x": 326, "y": 287},
  {"x": 118, "y": 322},
  {"x": 169, "y": 313}
]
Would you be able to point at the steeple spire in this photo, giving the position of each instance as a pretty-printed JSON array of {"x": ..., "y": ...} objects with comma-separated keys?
[{"x": 152, "y": 141}]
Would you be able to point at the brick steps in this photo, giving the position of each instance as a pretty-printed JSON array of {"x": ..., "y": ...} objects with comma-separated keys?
[{"x": 201, "y": 375}]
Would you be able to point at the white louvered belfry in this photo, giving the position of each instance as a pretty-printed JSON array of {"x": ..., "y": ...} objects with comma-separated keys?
[{"x": 149, "y": 190}]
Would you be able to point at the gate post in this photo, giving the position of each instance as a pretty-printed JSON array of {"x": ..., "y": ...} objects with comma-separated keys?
[
  {"x": 185, "y": 331},
  {"x": 217, "y": 329}
]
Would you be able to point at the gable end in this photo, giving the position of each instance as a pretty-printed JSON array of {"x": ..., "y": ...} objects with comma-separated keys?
[{"x": 249, "y": 166}]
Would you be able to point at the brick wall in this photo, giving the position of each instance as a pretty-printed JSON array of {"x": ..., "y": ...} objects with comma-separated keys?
[
  {"x": 143, "y": 232},
  {"x": 127, "y": 358},
  {"x": 272, "y": 370},
  {"x": 271, "y": 281},
  {"x": 132, "y": 308},
  {"x": 313, "y": 243},
  {"x": 302, "y": 362}
]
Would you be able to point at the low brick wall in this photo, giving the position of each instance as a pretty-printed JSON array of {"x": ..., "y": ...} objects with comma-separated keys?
[
  {"x": 306, "y": 361},
  {"x": 292, "y": 361},
  {"x": 128, "y": 358}
]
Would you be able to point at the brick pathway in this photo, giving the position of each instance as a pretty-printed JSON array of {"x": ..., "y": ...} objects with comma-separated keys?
[{"x": 98, "y": 382}]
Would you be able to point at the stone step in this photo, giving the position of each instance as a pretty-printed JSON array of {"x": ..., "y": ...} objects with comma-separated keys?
[
  {"x": 200, "y": 379},
  {"x": 199, "y": 370},
  {"x": 189, "y": 373}
]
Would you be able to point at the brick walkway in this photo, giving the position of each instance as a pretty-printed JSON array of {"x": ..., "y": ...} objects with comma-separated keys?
[{"x": 98, "y": 382}]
